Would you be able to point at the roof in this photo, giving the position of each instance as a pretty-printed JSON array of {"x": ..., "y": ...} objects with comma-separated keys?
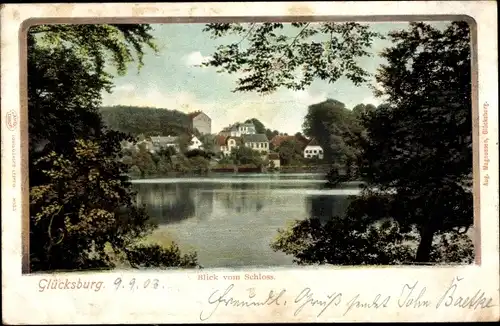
[
  {"x": 220, "y": 140},
  {"x": 245, "y": 124},
  {"x": 278, "y": 139},
  {"x": 234, "y": 127},
  {"x": 193, "y": 115},
  {"x": 313, "y": 142},
  {"x": 274, "y": 156},
  {"x": 228, "y": 129},
  {"x": 302, "y": 139},
  {"x": 255, "y": 138}
]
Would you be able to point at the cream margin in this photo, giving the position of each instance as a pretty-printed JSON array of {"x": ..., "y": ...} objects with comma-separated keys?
[{"x": 181, "y": 298}]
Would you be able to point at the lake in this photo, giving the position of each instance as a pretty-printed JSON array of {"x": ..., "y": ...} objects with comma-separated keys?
[{"x": 231, "y": 219}]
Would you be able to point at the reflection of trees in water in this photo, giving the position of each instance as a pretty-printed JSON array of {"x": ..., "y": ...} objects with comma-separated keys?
[
  {"x": 324, "y": 207},
  {"x": 242, "y": 197},
  {"x": 172, "y": 203}
]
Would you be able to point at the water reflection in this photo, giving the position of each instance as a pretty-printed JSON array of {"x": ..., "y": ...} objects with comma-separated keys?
[
  {"x": 174, "y": 202},
  {"x": 325, "y": 207},
  {"x": 232, "y": 223}
]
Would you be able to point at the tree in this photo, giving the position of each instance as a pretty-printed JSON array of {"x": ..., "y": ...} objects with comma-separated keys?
[
  {"x": 148, "y": 121},
  {"x": 336, "y": 129},
  {"x": 208, "y": 142},
  {"x": 198, "y": 152},
  {"x": 270, "y": 135},
  {"x": 419, "y": 185},
  {"x": 290, "y": 152},
  {"x": 428, "y": 83},
  {"x": 164, "y": 165},
  {"x": 199, "y": 164},
  {"x": 272, "y": 55},
  {"x": 362, "y": 109},
  {"x": 144, "y": 160},
  {"x": 259, "y": 126},
  {"x": 72, "y": 58},
  {"x": 82, "y": 212},
  {"x": 86, "y": 206},
  {"x": 246, "y": 155},
  {"x": 184, "y": 142}
]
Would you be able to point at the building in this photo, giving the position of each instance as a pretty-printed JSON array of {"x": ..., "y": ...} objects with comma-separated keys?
[
  {"x": 313, "y": 149},
  {"x": 227, "y": 143},
  {"x": 277, "y": 140},
  {"x": 239, "y": 129},
  {"x": 160, "y": 142},
  {"x": 229, "y": 131},
  {"x": 247, "y": 128},
  {"x": 195, "y": 143},
  {"x": 258, "y": 142},
  {"x": 201, "y": 121},
  {"x": 275, "y": 159}
]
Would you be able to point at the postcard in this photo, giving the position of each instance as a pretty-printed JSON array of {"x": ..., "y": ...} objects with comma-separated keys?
[{"x": 249, "y": 162}]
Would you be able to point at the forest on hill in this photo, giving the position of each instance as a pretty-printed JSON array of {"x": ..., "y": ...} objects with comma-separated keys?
[{"x": 146, "y": 120}]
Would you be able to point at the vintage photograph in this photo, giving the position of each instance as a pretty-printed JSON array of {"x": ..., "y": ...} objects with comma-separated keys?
[{"x": 249, "y": 144}]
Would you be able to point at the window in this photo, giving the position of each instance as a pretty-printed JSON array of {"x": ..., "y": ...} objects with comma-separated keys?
[
  {"x": 315, "y": 151},
  {"x": 308, "y": 156},
  {"x": 265, "y": 145},
  {"x": 320, "y": 151}
]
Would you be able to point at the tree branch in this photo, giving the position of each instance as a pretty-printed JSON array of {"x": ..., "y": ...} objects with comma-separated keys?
[
  {"x": 294, "y": 40},
  {"x": 246, "y": 35}
]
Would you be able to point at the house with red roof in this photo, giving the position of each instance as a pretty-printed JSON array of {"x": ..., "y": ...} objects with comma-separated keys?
[
  {"x": 227, "y": 143},
  {"x": 277, "y": 140}
]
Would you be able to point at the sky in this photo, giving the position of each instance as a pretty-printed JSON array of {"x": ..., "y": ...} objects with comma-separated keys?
[{"x": 172, "y": 79}]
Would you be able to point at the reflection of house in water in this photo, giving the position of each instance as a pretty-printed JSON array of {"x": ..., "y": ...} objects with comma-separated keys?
[
  {"x": 176, "y": 202},
  {"x": 166, "y": 203},
  {"x": 242, "y": 198},
  {"x": 172, "y": 203},
  {"x": 204, "y": 201}
]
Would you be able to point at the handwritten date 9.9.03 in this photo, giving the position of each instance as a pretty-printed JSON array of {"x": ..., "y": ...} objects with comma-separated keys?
[{"x": 135, "y": 284}]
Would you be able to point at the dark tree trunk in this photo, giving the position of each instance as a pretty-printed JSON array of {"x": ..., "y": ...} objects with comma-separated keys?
[{"x": 425, "y": 245}]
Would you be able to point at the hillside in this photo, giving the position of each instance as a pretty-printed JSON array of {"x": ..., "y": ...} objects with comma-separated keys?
[{"x": 146, "y": 120}]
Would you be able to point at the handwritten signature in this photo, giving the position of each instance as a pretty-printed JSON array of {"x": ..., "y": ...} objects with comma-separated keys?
[
  {"x": 216, "y": 299},
  {"x": 411, "y": 296}
]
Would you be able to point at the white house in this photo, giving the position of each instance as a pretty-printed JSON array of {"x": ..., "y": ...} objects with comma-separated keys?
[
  {"x": 247, "y": 128},
  {"x": 195, "y": 143},
  {"x": 257, "y": 142},
  {"x": 313, "y": 150},
  {"x": 239, "y": 129},
  {"x": 201, "y": 121},
  {"x": 275, "y": 159}
]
